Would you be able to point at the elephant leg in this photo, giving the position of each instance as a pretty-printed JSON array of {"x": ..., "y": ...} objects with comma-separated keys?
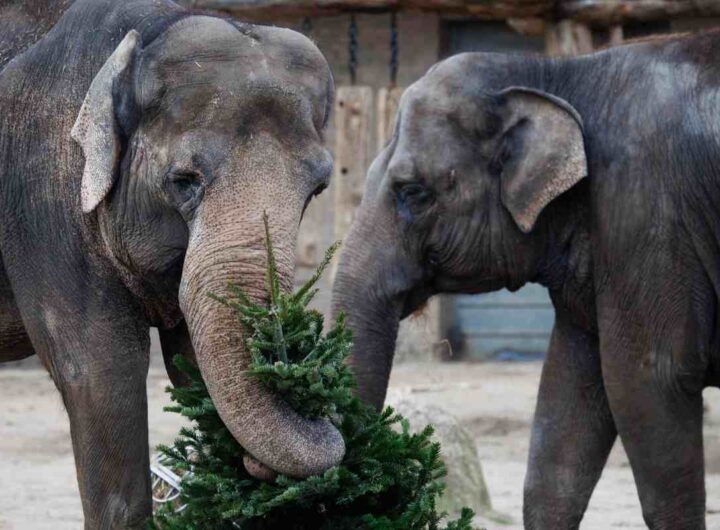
[
  {"x": 14, "y": 341},
  {"x": 176, "y": 341},
  {"x": 107, "y": 406},
  {"x": 573, "y": 431},
  {"x": 655, "y": 394},
  {"x": 97, "y": 352}
]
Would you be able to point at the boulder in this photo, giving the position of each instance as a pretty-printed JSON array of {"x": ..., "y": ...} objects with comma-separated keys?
[{"x": 465, "y": 482}]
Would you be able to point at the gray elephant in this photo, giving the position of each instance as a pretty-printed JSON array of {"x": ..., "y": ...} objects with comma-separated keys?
[
  {"x": 140, "y": 145},
  {"x": 23, "y": 22},
  {"x": 599, "y": 178}
]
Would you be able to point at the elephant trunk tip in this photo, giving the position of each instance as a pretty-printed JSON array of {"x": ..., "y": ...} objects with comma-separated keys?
[{"x": 304, "y": 451}]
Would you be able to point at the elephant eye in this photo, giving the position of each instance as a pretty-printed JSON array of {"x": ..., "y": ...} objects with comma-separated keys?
[
  {"x": 412, "y": 198},
  {"x": 317, "y": 191},
  {"x": 412, "y": 192},
  {"x": 433, "y": 258},
  {"x": 320, "y": 188},
  {"x": 185, "y": 188}
]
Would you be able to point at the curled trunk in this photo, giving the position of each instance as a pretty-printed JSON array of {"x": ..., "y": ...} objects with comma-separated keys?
[{"x": 262, "y": 422}]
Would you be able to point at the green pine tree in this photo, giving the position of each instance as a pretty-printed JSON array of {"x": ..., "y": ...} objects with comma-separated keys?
[{"x": 388, "y": 480}]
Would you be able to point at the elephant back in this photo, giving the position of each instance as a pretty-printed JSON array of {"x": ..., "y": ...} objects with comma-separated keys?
[{"x": 24, "y": 22}]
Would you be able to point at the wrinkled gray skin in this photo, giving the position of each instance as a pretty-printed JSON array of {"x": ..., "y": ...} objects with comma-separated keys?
[
  {"x": 23, "y": 22},
  {"x": 139, "y": 147},
  {"x": 599, "y": 178},
  {"x": 21, "y": 25}
]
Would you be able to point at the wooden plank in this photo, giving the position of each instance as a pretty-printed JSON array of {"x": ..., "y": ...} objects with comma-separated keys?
[
  {"x": 353, "y": 119},
  {"x": 268, "y": 9},
  {"x": 595, "y": 12},
  {"x": 568, "y": 37},
  {"x": 501, "y": 9},
  {"x": 388, "y": 101},
  {"x": 616, "y": 36},
  {"x": 316, "y": 233},
  {"x": 611, "y": 12},
  {"x": 527, "y": 26}
]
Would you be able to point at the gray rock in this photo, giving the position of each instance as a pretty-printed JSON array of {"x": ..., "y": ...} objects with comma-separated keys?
[{"x": 465, "y": 484}]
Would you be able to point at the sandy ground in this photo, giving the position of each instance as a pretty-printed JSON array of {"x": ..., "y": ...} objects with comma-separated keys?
[{"x": 495, "y": 401}]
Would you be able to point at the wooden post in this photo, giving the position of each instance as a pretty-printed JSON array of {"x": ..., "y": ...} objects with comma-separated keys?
[
  {"x": 616, "y": 36},
  {"x": 387, "y": 105},
  {"x": 353, "y": 118},
  {"x": 527, "y": 26},
  {"x": 568, "y": 37}
]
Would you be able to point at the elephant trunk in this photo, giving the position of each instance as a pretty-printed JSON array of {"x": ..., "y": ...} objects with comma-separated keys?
[
  {"x": 367, "y": 290},
  {"x": 273, "y": 433},
  {"x": 374, "y": 333}
]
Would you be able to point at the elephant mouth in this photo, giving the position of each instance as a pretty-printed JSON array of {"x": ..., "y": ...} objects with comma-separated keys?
[
  {"x": 415, "y": 300},
  {"x": 470, "y": 285}
]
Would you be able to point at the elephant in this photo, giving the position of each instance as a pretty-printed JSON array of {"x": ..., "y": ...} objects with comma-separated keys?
[
  {"x": 140, "y": 145},
  {"x": 597, "y": 177},
  {"x": 23, "y": 22}
]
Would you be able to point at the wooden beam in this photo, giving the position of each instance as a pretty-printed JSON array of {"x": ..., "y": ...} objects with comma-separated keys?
[
  {"x": 502, "y": 9},
  {"x": 353, "y": 153},
  {"x": 527, "y": 26},
  {"x": 611, "y": 12},
  {"x": 269, "y": 9},
  {"x": 594, "y": 12},
  {"x": 615, "y": 36},
  {"x": 568, "y": 37},
  {"x": 388, "y": 101}
]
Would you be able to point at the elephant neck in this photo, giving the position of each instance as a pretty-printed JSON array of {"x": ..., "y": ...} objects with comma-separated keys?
[{"x": 566, "y": 264}]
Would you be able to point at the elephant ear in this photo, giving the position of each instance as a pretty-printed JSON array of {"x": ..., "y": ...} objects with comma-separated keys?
[
  {"x": 542, "y": 152},
  {"x": 98, "y": 126}
]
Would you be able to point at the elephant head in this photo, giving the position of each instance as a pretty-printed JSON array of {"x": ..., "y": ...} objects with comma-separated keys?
[
  {"x": 188, "y": 139},
  {"x": 456, "y": 202}
]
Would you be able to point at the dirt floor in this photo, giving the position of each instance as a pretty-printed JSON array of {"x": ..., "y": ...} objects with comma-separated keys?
[{"x": 495, "y": 401}]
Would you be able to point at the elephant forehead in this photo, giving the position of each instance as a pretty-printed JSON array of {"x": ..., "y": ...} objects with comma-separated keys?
[
  {"x": 235, "y": 107},
  {"x": 455, "y": 86},
  {"x": 439, "y": 107},
  {"x": 424, "y": 98},
  {"x": 425, "y": 127},
  {"x": 432, "y": 101},
  {"x": 205, "y": 50}
]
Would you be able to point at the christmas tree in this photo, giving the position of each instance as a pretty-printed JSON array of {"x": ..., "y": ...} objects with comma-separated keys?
[{"x": 388, "y": 480}]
